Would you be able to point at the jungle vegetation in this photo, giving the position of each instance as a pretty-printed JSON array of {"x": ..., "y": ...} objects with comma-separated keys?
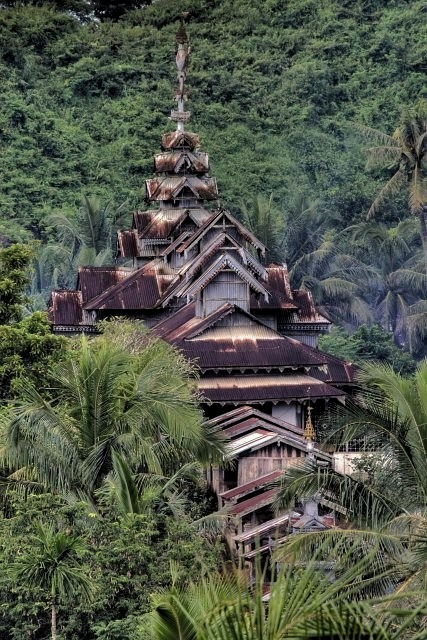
[
  {"x": 103, "y": 527},
  {"x": 291, "y": 98}
]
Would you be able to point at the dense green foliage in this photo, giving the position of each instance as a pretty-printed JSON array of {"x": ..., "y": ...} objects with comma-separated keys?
[
  {"x": 367, "y": 344},
  {"x": 275, "y": 90},
  {"x": 126, "y": 559},
  {"x": 282, "y": 94},
  {"x": 27, "y": 346}
]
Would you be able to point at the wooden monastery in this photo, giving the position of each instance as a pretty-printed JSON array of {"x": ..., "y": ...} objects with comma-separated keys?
[{"x": 197, "y": 277}]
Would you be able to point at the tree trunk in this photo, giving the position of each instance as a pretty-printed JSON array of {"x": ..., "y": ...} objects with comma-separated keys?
[
  {"x": 423, "y": 233},
  {"x": 54, "y": 634}
]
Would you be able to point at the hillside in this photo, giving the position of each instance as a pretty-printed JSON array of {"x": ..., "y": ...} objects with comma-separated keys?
[{"x": 275, "y": 91}]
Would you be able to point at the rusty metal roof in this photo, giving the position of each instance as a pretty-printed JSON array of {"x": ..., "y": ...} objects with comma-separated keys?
[
  {"x": 142, "y": 218},
  {"x": 162, "y": 223},
  {"x": 251, "y": 486},
  {"x": 252, "y": 504},
  {"x": 249, "y": 346},
  {"x": 127, "y": 244},
  {"x": 279, "y": 291},
  {"x": 180, "y": 140},
  {"x": 338, "y": 371},
  {"x": 66, "y": 308},
  {"x": 170, "y": 187},
  {"x": 307, "y": 312},
  {"x": 176, "y": 320},
  {"x": 92, "y": 281},
  {"x": 264, "y": 388},
  {"x": 262, "y": 529},
  {"x": 140, "y": 290},
  {"x": 178, "y": 161}
]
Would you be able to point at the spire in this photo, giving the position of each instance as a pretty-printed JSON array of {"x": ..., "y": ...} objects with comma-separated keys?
[{"x": 179, "y": 115}]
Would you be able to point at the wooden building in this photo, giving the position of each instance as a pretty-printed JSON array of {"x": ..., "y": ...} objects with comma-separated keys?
[{"x": 198, "y": 278}]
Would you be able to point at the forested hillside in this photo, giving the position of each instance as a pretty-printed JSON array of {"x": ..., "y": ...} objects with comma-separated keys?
[{"x": 278, "y": 89}]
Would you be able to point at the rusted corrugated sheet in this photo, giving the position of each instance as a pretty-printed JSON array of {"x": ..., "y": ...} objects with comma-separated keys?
[
  {"x": 245, "y": 346},
  {"x": 277, "y": 285},
  {"x": 252, "y": 504},
  {"x": 142, "y": 219},
  {"x": 264, "y": 388},
  {"x": 163, "y": 224},
  {"x": 128, "y": 245},
  {"x": 170, "y": 187},
  {"x": 338, "y": 371},
  {"x": 66, "y": 308},
  {"x": 180, "y": 139},
  {"x": 92, "y": 281},
  {"x": 251, "y": 486},
  {"x": 140, "y": 290},
  {"x": 179, "y": 161},
  {"x": 178, "y": 319},
  {"x": 307, "y": 312}
]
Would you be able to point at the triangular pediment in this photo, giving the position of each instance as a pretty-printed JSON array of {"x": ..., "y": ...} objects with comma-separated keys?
[
  {"x": 172, "y": 187},
  {"x": 222, "y": 241},
  {"x": 223, "y": 262},
  {"x": 178, "y": 161},
  {"x": 223, "y": 221}
]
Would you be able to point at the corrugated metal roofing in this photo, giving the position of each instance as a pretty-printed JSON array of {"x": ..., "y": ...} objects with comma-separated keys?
[
  {"x": 279, "y": 291},
  {"x": 142, "y": 218},
  {"x": 252, "y": 504},
  {"x": 242, "y": 346},
  {"x": 254, "y": 439},
  {"x": 170, "y": 187},
  {"x": 140, "y": 290},
  {"x": 177, "y": 161},
  {"x": 251, "y": 486},
  {"x": 66, "y": 308},
  {"x": 92, "y": 281},
  {"x": 307, "y": 312},
  {"x": 180, "y": 139},
  {"x": 128, "y": 245},
  {"x": 264, "y": 388}
]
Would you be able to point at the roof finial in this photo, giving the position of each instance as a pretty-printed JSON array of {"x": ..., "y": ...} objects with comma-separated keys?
[{"x": 180, "y": 115}]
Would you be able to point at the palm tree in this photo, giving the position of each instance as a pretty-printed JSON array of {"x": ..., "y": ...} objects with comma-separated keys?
[
  {"x": 107, "y": 400},
  {"x": 406, "y": 153},
  {"x": 392, "y": 415},
  {"x": 336, "y": 280},
  {"x": 398, "y": 281},
  {"x": 85, "y": 238},
  {"x": 299, "y": 601},
  {"x": 266, "y": 223},
  {"x": 54, "y": 564}
]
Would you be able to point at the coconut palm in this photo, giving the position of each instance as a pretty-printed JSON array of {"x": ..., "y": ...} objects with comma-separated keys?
[
  {"x": 266, "y": 223},
  {"x": 398, "y": 281},
  {"x": 405, "y": 151},
  {"x": 299, "y": 601},
  {"x": 336, "y": 280},
  {"x": 392, "y": 414},
  {"x": 54, "y": 564},
  {"x": 104, "y": 400},
  {"x": 89, "y": 234}
]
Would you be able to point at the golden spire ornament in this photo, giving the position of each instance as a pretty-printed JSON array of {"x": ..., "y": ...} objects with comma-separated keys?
[{"x": 309, "y": 433}]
